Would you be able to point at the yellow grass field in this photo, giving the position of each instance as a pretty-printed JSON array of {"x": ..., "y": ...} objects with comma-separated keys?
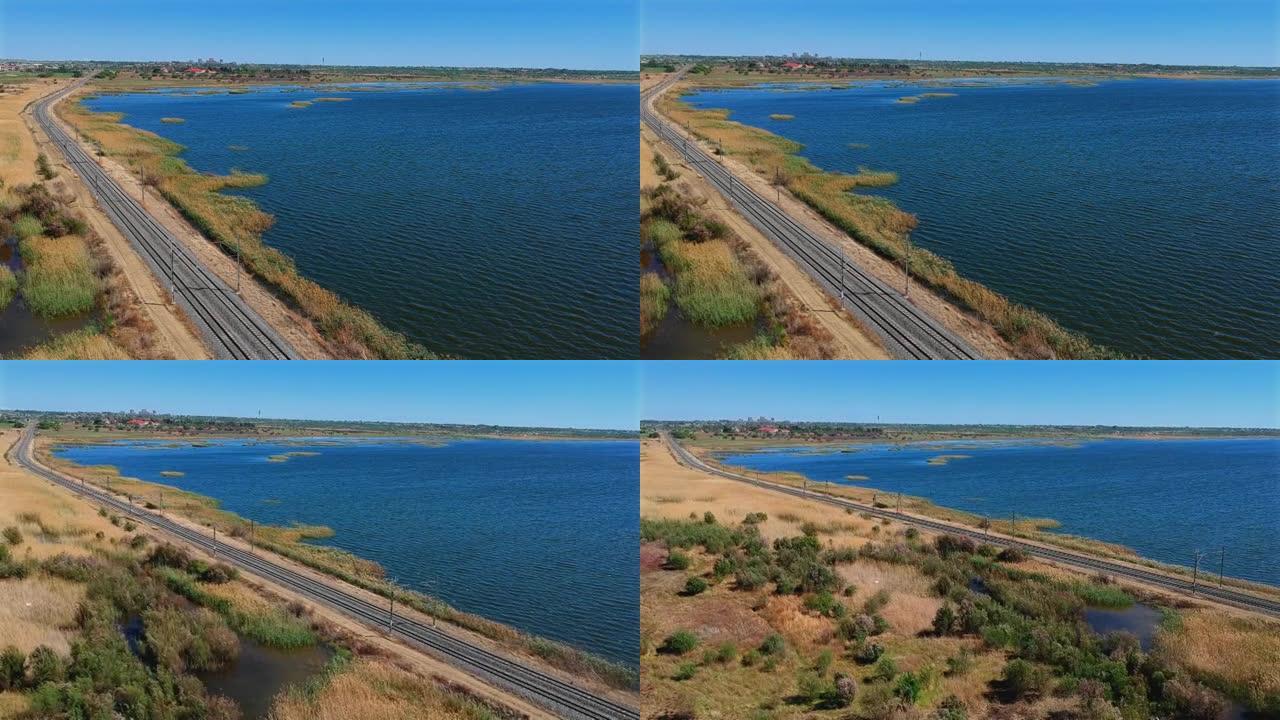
[{"x": 377, "y": 690}]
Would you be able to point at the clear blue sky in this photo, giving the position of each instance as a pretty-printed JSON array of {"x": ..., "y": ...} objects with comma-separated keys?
[
  {"x": 1200, "y": 394},
  {"x": 551, "y": 394},
  {"x": 1188, "y": 32},
  {"x": 578, "y": 34}
]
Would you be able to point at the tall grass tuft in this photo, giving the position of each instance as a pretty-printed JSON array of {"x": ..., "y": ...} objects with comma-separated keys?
[
  {"x": 8, "y": 286},
  {"x": 654, "y": 299},
  {"x": 58, "y": 280}
]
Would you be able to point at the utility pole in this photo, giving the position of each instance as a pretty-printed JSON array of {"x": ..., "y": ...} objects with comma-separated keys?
[
  {"x": 842, "y": 278},
  {"x": 899, "y": 503},
  {"x": 172, "y": 282},
  {"x": 1222, "y": 558},
  {"x": 1195, "y": 575},
  {"x": 215, "y": 540},
  {"x": 391, "y": 621},
  {"x": 250, "y": 537},
  {"x": 1013, "y": 522}
]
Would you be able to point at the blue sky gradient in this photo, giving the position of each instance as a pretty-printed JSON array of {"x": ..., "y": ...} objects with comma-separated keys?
[
  {"x": 1175, "y": 32},
  {"x": 575, "y": 34},
  {"x": 1167, "y": 393},
  {"x": 582, "y": 394}
]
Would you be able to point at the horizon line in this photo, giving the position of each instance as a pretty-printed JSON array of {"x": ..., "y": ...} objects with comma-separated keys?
[
  {"x": 960, "y": 60},
  {"x": 319, "y": 65},
  {"x": 969, "y": 424}
]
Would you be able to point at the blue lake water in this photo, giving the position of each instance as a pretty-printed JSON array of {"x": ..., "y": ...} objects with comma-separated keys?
[
  {"x": 539, "y": 535},
  {"x": 1163, "y": 498},
  {"x": 1142, "y": 213},
  {"x": 489, "y": 224}
]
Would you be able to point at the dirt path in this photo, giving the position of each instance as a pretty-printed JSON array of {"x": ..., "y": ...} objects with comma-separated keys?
[
  {"x": 288, "y": 322},
  {"x": 978, "y": 334},
  {"x": 849, "y": 338}
]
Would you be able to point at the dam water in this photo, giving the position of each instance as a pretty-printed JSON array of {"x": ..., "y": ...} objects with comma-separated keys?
[
  {"x": 1165, "y": 499},
  {"x": 485, "y": 221},
  {"x": 1141, "y": 213},
  {"x": 540, "y": 535}
]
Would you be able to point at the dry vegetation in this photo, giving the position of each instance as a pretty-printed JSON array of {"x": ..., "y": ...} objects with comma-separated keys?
[
  {"x": 236, "y": 224},
  {"x": 376, "y": 690},
  {"x": 878, "y": 224},
  {"x": 739, "y": 620},
  {"x": 716, "y": 279},
  {"x": 67, "y": 271}
]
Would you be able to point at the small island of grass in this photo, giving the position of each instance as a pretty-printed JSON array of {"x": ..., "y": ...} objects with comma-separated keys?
[
  {"x": 173, "y": 120},
  {"x": 782, "y": 116},
  {"x": 300, "y": 104},
  {"x": 944, "y": 459},
  {"x": 172, "y": 473}
]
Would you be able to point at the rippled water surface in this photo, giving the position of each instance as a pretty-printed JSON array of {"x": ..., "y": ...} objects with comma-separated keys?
[
  {"x": 539, "y": 535},
  {"x": 1163, "y": 498},
  {"x": 1142, "y": 213},
  {"x": 495, "y": 222}
]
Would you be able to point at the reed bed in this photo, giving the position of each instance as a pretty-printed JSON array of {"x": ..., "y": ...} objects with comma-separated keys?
[
  {"x": 58, "y": 279},
  {"x": 8, "y": 286},
  {"x": 782, "y": 116},
  {"x": 173, "y": 120},
  {"x": 84, "y": 344},
  {"x": 879, "y": 224},
  {"x": 236, "y": 224},
  {"x": 655, "y": 296}
]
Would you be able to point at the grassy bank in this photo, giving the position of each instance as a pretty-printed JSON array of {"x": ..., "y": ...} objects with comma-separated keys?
[
  {"x": 881, "y": 226},
  {"x": 236, "y": 224},
  {"x": 67, "y": 271},
  {"x": 293, "y": 543},
  {"x": 716, "y": 280},
  {"x": 759, "y": 605}
]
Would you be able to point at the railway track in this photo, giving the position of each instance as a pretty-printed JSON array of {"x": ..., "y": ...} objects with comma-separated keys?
[
  {"x": 906, "y": 330},
  {"x": 1080, "y": 561},
  {"x": 229, "y": 327},
  {"x": 563, "y": 698}
]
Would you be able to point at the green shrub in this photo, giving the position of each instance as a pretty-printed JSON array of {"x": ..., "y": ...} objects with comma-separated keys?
[
  {"x": 27, "y": 226},
  {"x": 679, "y": 643},
  {"x": 677, "y": 560},
  {"x": 813, "y": 688},
  {"x": 695, "y": 586},
  {"x": 12, "y": 668},
  {"x": 885, "y": 669},
  {"x": 685, "y": 671},
  {"x": 1025, "y": 679},
  {"x": 773, "y": 645},
  {"x": 45, "y": 666},
  {"x": 750, "y": 658},
  {"x": 13, "y": 535},
  {"x": 726, "y": 652}
]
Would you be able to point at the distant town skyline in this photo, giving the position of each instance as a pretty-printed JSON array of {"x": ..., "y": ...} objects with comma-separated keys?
[
  {"x": 1168, "y": 32},
  {"x": 568, "y": 34},
  {"x": 1209, "y": 394}
]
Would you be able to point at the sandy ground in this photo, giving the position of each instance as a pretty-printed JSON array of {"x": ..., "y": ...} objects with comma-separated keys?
[
  {"x": 17, "y": 146},
  {"x": 394, "y": 648},
  {"x": 849, "y": 339},
  {"x": 291, "y": 324},
  {"x": 981, "y": 336}
]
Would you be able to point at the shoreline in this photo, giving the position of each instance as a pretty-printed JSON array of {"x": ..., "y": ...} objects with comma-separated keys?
[
  {"x": 928, "y": 508},
  {"x": 292, "y": 543},
  {"x": 876, "y": 224},
  {"x": 233, "y": 226}
]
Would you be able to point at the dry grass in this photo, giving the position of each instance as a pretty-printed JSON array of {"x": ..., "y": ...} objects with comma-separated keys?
[
  {"x": 881, "y": 226},
  {"x": 724, "y": 615},
  {"x": 38, "y": 611},
  {"x": 375, "y": 690},
  {"x": 87, "y": 344},
  {"x": 13, "y": 705},
  {"x": 1238, "y": 655},
  {"x": 236, "y": 224},
  {"x": 654, "y": 298}
]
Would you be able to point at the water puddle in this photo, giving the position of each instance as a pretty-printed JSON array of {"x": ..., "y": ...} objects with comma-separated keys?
[
  {"x": 1141, "y": 620},
  {"x": 261, "y": 673},
  {"x": 21, "y": 329},
  {"x": 258, "y": 674}
]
